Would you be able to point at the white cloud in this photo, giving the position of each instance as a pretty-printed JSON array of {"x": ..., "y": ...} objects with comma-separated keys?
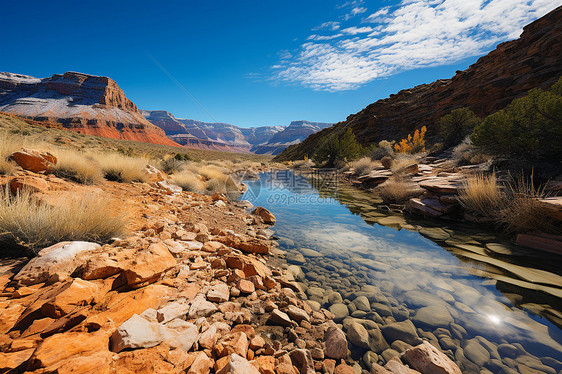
[
  {"x": 354, "y": 11},
  {"x": 413, "y": 34},
  {"x": 332, "y": 25},
  {"x": 323, "y": 37},
  {"x": 357, "y": 30}
]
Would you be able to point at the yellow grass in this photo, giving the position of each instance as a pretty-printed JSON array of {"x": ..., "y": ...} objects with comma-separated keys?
[
  {"x": 188, "y": 181},
  {"x": 522, "y": 212},
  {"x": 482, "y": 194},
  {"x": 120, "y": 168},
  {"x": 397, "y": 190},
  {"x": 364, "y": 166},
  {"x": 26, "y": 221},
  {"x": 76, "y": 166}
]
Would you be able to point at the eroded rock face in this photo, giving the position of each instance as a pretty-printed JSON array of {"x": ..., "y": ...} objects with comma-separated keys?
[
  {"x": 506, "y": 73},
  {"x": 83, "y": 103}
]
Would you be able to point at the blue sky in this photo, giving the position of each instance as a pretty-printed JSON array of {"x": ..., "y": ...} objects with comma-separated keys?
[{"x": 262, "y": 62}]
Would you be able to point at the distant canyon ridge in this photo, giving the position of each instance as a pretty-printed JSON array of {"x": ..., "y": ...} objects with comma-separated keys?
[
  {"x": 95, "y": 105},
  {"x": 226, "y": 137}
]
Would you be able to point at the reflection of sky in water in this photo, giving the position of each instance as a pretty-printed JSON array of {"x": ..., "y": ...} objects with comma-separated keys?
[{"x": 419, "y": 273}]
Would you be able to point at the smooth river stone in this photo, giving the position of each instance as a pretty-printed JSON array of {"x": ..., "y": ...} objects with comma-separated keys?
[
  {"x": 405, "y": 331},
  {"x": 340, "y": 311},
  {"x": 435, "y": 316},
  {"x": 362, "y": 303},
  {"x": 307, "y": 252}
]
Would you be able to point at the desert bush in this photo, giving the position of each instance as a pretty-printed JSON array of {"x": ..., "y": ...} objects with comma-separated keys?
[
  {"x": 397, "y": 189},
  {"x": 28, "y": 222},
  {"x": 213, "y": 172},
  {"x": 215, "y": 185},
  {"x": 182, "y": 157},
  {"x": 483, "y": 195},
  {"x": 457, "y": 125},
  {"x": 364, "y": 166},
  {"x": 384, "y": 149},
  {"x": 119, "y": 168},
  {"x": 339, "y": 147},
  {"x": 77, "y": 167},
  {"x": 530, "y": 127},
  {"x": 412, "y": 144},
  {"x": 188, "y": 181},
  {"x": 172, "y": 165}
]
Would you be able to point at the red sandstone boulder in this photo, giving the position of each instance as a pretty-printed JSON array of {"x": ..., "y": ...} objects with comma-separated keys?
[
  {"x": 35, "y": 161},
  {"x": 265, "y": 215}
]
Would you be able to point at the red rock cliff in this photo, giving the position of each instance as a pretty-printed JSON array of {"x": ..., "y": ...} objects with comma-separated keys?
[
  {"x": 508, "y": 72},
  {"x": 80, "y": 102}
]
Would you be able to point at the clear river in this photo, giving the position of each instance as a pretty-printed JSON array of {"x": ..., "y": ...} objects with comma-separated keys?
[{"x": 489, "y": 305}]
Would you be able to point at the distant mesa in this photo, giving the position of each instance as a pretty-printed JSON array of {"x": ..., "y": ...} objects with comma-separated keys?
[
  {"x": 83, "y": 103},
  {"x": 226, "y": 137}
]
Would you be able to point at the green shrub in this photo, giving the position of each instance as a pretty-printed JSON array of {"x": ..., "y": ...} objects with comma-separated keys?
[
  {"x": 339, "y": 147},
  {"x": 530, "y": 127},
  {"x": 457, "y": 125}
]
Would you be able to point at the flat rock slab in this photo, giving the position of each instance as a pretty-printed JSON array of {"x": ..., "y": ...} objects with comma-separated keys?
[{"x": 522, "y": 272}]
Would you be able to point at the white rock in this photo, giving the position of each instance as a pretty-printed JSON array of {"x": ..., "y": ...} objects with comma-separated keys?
[
  {"x": 238, "y": 365},
  {"x": 172, "y": 310},
  {"x": 180, "y": 334},
  {"x": 201, "y": 308},
  {"x": 192, "y": 245},
  {"x": 136, "y": 332},
  {"x": 62, "y": 259},
  {"x": 219, "y": 293}
]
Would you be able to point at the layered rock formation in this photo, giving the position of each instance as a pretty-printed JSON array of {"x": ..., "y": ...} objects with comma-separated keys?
[
  {"x": 227, "y": 137},
  {"x": 79, "y": 102},
  {"x": 508, "y": 72}
]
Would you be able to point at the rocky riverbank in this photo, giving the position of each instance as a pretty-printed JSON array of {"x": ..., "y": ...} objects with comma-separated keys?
[
  {"x": 196, "y": 287},
  {"x": 431, "y": 188}
]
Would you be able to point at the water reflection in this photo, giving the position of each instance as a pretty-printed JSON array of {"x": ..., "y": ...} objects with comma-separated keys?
[{"x": 407, "y": 276}]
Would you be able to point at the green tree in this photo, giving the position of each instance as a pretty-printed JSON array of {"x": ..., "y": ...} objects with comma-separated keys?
[
  {"x": 530, "y": 127},
  {"x": 339, "y": 147},
  {"x": 457, "y": 125}
]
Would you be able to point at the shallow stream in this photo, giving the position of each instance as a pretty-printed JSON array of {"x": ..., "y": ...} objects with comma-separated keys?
[{"x": 483, "y": 301}]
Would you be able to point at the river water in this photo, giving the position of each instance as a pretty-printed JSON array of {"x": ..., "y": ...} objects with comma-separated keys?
[{"x": 369, "y": 266}]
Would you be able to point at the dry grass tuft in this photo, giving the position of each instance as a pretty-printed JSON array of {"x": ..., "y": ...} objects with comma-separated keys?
[
  {"x": 481, "y": 194},
  {"x": 397, "y": 190},
  {"x": 522, "y": 211},
  {"x": 403, "y": 161},
  {"x": 7, "y": 167},
  {"x": 364, "y": 166},
  {"x": 75, "y": 166},
  {"x": 26, "y": 221},
  {"x": 188, "y": 181},
  {"x": 119, "y": 168},
  {"x": 172, "y": 165}
]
